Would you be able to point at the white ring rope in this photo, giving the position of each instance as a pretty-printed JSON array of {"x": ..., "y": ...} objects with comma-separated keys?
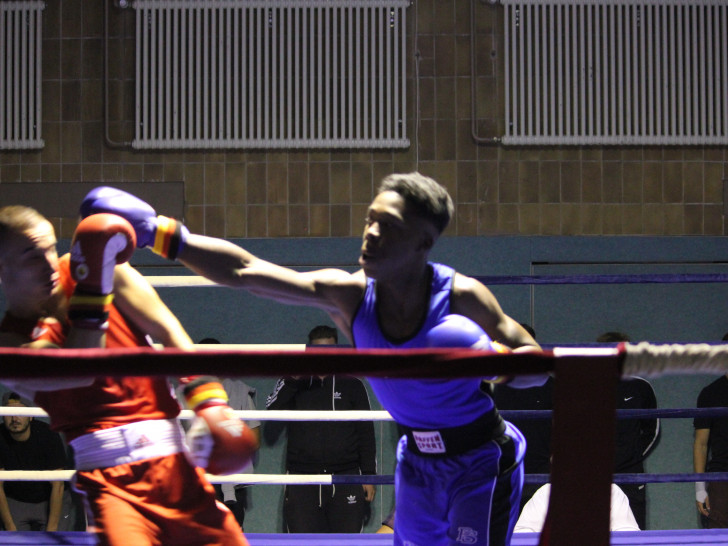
[
  {"x": 282, "y": 347},
  {"x": 650, "y": 360},
  {"x": 174, "y": 281},
  {"x": 248, "y": 479},
  {"x": 259, "y": 415},
  {"x": 301, "y": 415},
  {"x": 22, "y": 411},
  {"x": 585, "y": 351}
]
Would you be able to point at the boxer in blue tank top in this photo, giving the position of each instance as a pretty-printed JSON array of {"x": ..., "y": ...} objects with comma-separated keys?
[
  {"x": 473, "y": 475},
  {"x": 459, "y": 474}
]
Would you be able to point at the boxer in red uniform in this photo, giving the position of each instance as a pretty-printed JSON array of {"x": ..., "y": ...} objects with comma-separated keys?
[{"x": 133, "y": 465}]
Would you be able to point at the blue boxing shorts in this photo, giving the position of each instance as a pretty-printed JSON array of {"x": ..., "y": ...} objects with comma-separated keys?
[{"x": 470, "y": 498}]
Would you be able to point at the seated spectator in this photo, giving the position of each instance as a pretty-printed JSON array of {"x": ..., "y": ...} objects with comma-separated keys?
[
  {"x": 533, "y": 514},
  {"x": 636, "y": 438},
  {"x": 28, "y": 444}
]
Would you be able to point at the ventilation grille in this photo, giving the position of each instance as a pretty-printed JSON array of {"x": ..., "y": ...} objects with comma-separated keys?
[
  {"x": 613, "y": 72},
  {"x": 20, "y": 75},
  {"x": 270, "y": 74}
]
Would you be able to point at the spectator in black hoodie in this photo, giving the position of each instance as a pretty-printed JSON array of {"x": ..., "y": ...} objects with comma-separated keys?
[{"x": 325, "y": 447}]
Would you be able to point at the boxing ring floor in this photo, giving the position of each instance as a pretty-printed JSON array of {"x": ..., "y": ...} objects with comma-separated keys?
[{"x": 626, "y": 538}]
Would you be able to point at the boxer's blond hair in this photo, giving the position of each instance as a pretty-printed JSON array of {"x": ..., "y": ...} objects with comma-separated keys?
[{"x": 16, "y": 219}]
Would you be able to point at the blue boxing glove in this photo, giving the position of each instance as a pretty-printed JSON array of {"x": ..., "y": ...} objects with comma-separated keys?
[
  {"x": 164, "y": 236},
  {"x": 459, "y": 331}
]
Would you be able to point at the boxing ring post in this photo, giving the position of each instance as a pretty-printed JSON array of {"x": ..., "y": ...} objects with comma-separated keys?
[{"x": 584, "y": 428}]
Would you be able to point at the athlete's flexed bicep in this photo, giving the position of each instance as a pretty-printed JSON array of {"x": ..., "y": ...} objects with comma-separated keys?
[{"x": 473, "y": 299}]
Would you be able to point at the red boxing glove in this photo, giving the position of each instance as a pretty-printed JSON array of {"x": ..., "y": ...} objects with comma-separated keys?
[
  {"x": 100, "y": 242},
  {"x": 218, "y": 441},
  {"x": 49, "y": 330}
]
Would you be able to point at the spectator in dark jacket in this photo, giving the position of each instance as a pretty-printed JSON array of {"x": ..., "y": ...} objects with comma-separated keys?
[{"x": 325, "y": 447}]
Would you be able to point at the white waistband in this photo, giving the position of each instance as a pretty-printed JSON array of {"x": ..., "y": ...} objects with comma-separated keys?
[{"x": 128, "y": 443}]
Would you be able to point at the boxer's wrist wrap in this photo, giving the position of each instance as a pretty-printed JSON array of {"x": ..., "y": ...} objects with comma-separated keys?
[
  {"x": 90, "y": 311},
  {"x": 169, "y": 237},
  {"x": 204, "y": 391},
  {"x": 499, "y": 379},
  {"x": 700, "y": 492},
  {"x": 499, "y": 347}
]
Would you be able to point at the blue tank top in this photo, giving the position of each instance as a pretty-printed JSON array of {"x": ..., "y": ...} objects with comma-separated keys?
[{"x": 420, "y": 403}]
